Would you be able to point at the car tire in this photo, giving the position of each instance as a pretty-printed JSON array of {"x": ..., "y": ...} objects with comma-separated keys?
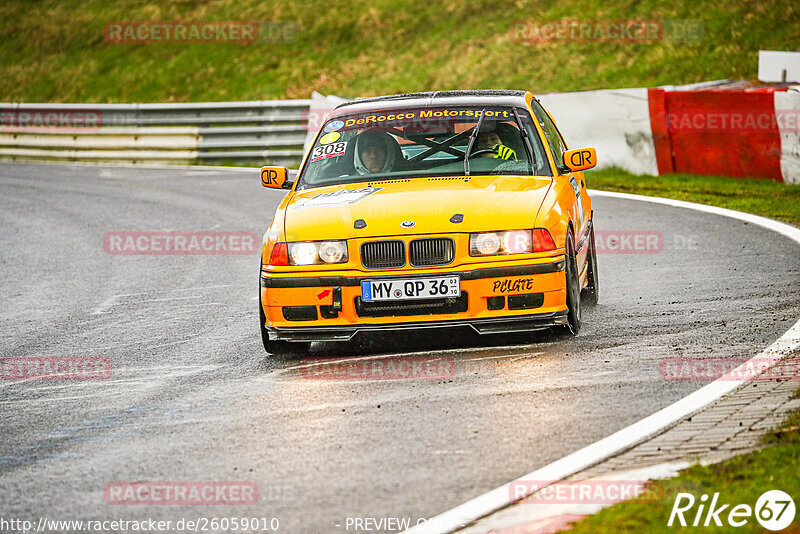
[
  {"x": 279, "y": 348},
  {"x": 591, "y": 294},
  {"x": 573, "y": 287}
]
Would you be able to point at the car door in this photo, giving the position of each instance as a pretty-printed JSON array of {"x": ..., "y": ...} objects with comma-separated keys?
[{"x": 575, "y": 180}]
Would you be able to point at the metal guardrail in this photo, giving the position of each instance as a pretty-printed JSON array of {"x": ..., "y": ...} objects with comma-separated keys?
[{"x": 255, "y": 132}]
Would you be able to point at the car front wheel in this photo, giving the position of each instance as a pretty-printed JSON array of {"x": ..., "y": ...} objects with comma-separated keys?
[
  {"x": 573, "y": 287},
  {"x": 279, "y": 348},
  {"x": 592, "y": 291}
]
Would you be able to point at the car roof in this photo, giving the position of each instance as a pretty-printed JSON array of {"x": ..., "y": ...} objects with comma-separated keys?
[{"x": 491, "y": 97}]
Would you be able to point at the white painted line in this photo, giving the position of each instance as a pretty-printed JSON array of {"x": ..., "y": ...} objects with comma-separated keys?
[
  {"x": 792, "y": 232},
  {"x": 530, "y": 515},
  {"x": 640, "y": 431}
]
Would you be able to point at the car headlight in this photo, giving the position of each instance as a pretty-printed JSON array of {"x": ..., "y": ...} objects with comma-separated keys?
[
  {"x": 333, "y": 251},
  {"x": 317, "y": 252},
  {"x": 485, "y": 244},
  {"x": 510, "y": 242},
  {"x": 303, "y": 253}
]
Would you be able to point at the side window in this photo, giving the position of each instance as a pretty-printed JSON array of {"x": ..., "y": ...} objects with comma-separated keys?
[
  {"x": 554, "y": 139},
  {"x": 541, "y": 167}
]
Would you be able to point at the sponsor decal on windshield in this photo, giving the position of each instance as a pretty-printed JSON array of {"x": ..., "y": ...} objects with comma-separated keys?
[
  {"x": 377, "y": 118},
  {"x": 333, "y": 126},
  {"x": 329, "y": 138},
  {"x": 336, "y": 199}
]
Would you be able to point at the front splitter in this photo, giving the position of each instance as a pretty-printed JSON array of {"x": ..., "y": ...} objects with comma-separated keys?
[{"x": 494, "y": 325}]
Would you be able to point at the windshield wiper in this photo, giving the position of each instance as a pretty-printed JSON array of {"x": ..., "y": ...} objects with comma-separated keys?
[{"x": 472, "y": 137}]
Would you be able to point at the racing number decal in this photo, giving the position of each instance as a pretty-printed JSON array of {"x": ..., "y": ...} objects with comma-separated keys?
[{"x": 329, "y": 151}]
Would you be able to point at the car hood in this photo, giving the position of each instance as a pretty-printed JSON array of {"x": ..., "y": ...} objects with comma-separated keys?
[{"x": 486, "y": 203}]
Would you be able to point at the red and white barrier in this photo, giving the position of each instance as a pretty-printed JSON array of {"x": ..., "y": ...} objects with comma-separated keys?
[
  {"x": 723, "y": 130},
  {"x": 788, "y": 104}
]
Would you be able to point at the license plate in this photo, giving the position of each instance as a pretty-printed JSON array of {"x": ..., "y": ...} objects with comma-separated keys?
[{"x": 410, "y": 288}]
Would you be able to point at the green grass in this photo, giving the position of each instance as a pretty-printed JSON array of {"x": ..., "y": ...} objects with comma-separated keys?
[
  {"x": 757, "y": 196},
  {"x": 741, "y": 479},
  {"x": 55, "y": 51}
]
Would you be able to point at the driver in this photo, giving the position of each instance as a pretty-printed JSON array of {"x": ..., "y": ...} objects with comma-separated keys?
[
  {"x": 374, "y": 153},
  {"x": 491, "y": 141}
]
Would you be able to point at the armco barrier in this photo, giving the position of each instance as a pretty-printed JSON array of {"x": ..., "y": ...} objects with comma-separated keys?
[
  {"x": 711, "y": 128},
  {"x": 256, "y": 132}
]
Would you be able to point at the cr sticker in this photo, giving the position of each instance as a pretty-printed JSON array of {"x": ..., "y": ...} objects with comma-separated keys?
[
  {"x": 329, "y": 138},
  {"x": 333, "y": 126}
]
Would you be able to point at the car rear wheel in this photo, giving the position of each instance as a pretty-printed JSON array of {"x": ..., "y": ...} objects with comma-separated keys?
[
  {"x": 573, "y": 287},
  {"x": 591, "y": 293}
]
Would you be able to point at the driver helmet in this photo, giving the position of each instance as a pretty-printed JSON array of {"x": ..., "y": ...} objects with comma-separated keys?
[{"x": 374, "y": 139}]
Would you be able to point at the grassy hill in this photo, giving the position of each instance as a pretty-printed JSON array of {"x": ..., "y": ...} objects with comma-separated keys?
[{"x": 56, "y": 51}]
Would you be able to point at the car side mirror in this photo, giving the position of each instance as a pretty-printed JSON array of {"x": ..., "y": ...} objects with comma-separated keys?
[
  {"x": 275, "y": 177},
  {"x": 580, "y": 159}
]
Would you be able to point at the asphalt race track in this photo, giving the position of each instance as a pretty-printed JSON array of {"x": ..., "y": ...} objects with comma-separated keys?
[{"x": 193, "y": 396}]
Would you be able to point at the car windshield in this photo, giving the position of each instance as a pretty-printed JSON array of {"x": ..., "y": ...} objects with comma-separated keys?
[{"x": 411, "y": 143}]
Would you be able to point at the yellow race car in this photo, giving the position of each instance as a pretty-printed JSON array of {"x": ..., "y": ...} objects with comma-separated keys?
[{"x": 429, "y": 210}]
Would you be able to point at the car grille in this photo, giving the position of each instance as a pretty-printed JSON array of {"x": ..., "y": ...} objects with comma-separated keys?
[
  {"x": 383, "y": 254},
  {"x": 432, "y": 251},
  {"x": 412, "y": 307}
]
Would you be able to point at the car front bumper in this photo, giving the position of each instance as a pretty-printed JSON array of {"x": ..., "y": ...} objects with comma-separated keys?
[{"x": 328, "y": 307}]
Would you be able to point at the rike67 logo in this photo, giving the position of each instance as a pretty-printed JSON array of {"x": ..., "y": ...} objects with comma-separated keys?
[{"x": 774, "y": 510}]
